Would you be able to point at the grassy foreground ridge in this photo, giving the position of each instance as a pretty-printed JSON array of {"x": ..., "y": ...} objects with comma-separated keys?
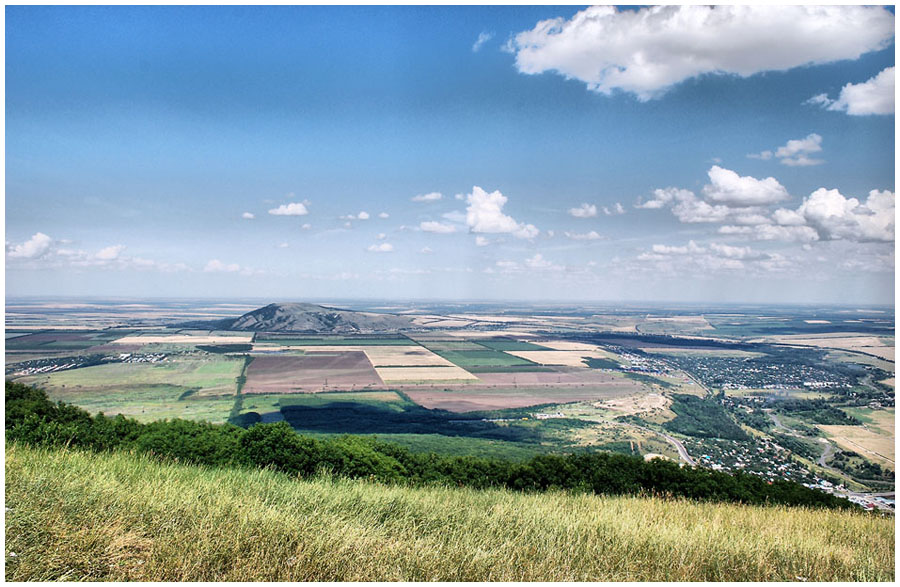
[{"x": 118, "y": 516}]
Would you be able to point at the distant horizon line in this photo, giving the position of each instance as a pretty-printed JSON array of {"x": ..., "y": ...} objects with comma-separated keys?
[{"x": 279, "y": 299}]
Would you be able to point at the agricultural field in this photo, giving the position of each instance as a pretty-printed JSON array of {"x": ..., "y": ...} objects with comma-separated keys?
[
  {"x": 208, "y": 375},
  {"x": 424, "y": 374},
  {"x": 874, "y": 439},
  {"x": 484, "y": 358},
  {"x": 559, "y": 358},
  {"x": 194, "y": 387},
  {"x": 184, "y": 339},
  {"x": 878, "y": 346},
  {"x": 499, "y": 382},
  {"x": 310, "y": 372},
  {"x": 61, "y": 340}
]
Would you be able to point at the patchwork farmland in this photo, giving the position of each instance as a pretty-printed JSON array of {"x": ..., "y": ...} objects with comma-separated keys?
[
  {"x": 489, "y": 382},
  {"x": 311, "y": 372}
]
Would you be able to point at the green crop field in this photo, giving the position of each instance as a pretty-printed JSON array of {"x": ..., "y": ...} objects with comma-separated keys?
[
  {"x": 512, "y": 345},
  {"x": 80, "y": 516},
  {"x": 209, "y": 374},
  {"x": 189, "y": 388},
  {"x": 452, "y": 345},
  {"x": 486, "y": 358},
  {"x": 288, "y": 340}
]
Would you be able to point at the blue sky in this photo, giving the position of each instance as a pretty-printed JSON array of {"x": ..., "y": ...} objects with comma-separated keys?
[{"x": 706, "y": 155}]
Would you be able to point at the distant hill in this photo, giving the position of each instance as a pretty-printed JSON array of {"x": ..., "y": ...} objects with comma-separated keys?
[{"x": 297, "y": 317}]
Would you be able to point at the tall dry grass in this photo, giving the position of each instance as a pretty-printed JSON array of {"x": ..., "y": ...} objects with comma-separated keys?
[{"x": 83, "y": 516}]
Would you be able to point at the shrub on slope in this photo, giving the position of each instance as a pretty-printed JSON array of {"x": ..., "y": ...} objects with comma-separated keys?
[{"x": 31, "y": 418}]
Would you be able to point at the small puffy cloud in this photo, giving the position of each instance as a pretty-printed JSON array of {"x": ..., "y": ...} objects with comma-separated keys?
[
  {"x": 764, "y": 155},
  {"x": 646, "y": 51},
  {"x": 483, "y": 37},
  {"x": 663, "y": 197},
  {"x": 109, "y": 253},
  {"x": 820, "y": 100},
  {"x": 381, "y": 236},
  {"x": 616, "y": 209},
  {"x": 35, "y": 247},
  {"x": 796, "y": 152},
  {"x": 538, "y": 262},
  {"x": 874, "y": 96},
  {"x": 361, "y": 216},
  {"x": 691, "y": 209},
  {"x": 384, "y": 215},
  {"x": 426, "y": 250},
  {"x": 584, "y": 211},
  {"x": 586, "y": 236},
  {"x": 690, "y": 248},
  {"x": 732, "y": 252},
  {"x": 381, "y": 248},
  {"x": 306, "y": 226},
  {"x": 283, "y": 245},
  {"x": 481, "y": 241},
  {"x": 432, "y": 226},
  {"x": 429, "y": 197},
  {"x": 729, "y": 188},
  {"x": 216, "y": 266},
  {"x": 484, "y": 214},
  {"x": 248, "y": 215},
  {"x": 292, "y": 209},
  {"x": 811, "y": 144}
]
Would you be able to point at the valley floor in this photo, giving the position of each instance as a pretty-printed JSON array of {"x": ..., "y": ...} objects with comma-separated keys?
[{"x": 80, "y": 516}]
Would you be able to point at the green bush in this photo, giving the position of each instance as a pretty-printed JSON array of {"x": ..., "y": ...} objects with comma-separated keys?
[{"x": 31, "y": 418}]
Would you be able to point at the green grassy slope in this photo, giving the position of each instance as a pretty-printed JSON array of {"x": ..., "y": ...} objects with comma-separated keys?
[{"x": 117, "y": 516}]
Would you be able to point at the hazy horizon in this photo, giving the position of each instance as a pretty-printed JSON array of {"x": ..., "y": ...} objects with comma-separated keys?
[{"x": 727, "y": 155}]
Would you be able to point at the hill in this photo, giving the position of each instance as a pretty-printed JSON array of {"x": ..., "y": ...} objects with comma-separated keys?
[
  {"x": 297, "y": 317},
  {"x": 117, "y": 516}
]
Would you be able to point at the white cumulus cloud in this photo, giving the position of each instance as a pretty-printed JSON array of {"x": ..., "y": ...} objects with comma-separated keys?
[
  {"x": 432, "y": 226},
  {"x": 584, "y": 211},
  {"x": 835, "y": 216},
  {"x": 292, "y": 209},
  {"x": 796, "y": 152},
  {"x": 216, "y": 266},
  {"x": 35, "y": 247},
  {"x": 729, "y": 188},
  {"x": 874, "y": 96},
  {"x": 381, "y": 248},
  {"x": 248, "y": 215},
  {"x": 484, "y": 214},
  {"x": 617, "y": 208},
  {"x": 646, "y": 51},
  {"x": 586, "y": 236},
  {"x": 429, "y": 197},
  {"x": 109, "y": 253}
]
